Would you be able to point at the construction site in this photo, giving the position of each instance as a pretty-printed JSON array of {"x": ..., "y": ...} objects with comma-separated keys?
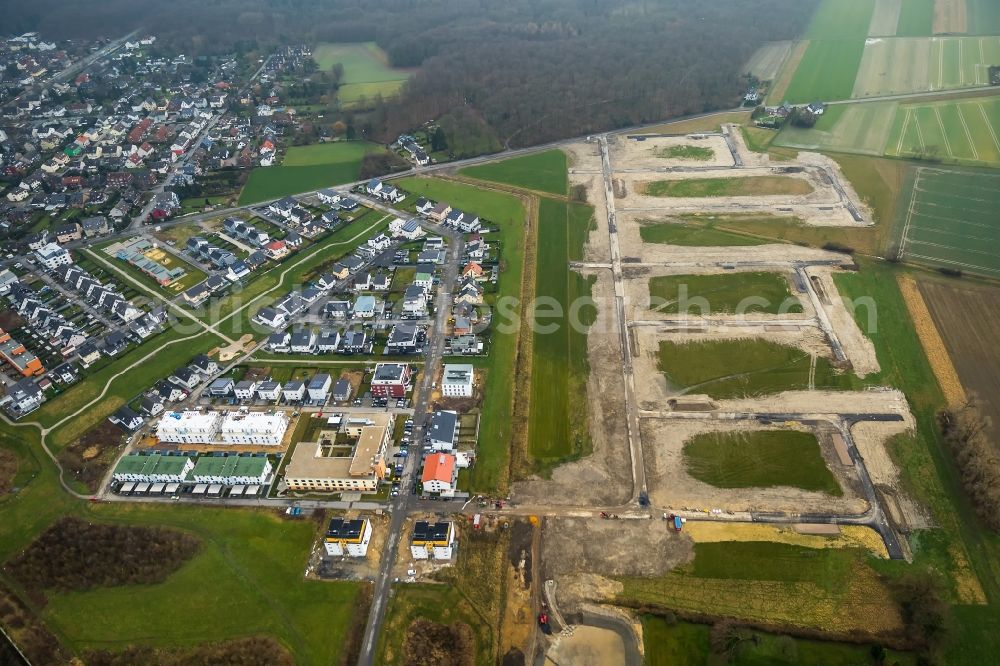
[{"x": 646, "y": 406}]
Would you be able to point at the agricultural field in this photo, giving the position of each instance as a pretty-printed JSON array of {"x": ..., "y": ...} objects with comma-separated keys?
[
  {"x": 508, "y": 213},
  {"x": 767, "y": 60},
  {"x": 759, "y": 459},
  {"x": 727, "y": 187},
  {"x": 681, "y": 643},
  {"x": 724, "y": 293},
  {"x": 983, "y": 17},
  {"x": 841, "y": 19},
  {"x": 558, "y": 427},
  {"x": 902, "y": 18},
  {"x": 960, "y": 131},
  {"x": 952, "y": 221},
  {"x": 885, "y": 18},
  {"x": 307, "y": 168},
  {"x": 826, "y": 72},
  {"x": 367, "y": 72},
  {"x": 744, "y": 368},
  {"x": 544, "y": 172},
  {"x": 855, "y": 128},
  {"x": 967, "y": 317},
  {"x": 937, "y": 63},
  {"x": 916, "y": 18}
]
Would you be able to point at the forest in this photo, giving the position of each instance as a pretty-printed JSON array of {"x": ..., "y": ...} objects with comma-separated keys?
[{"x": 527, "y": 71}]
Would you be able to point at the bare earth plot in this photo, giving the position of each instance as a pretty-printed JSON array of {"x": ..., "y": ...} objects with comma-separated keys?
[
  {"x": 968, "y": 317},
  {"x": 952, "y": 221},
  {"x": 950, "y": 17},
  {"x": 767, "y": 60},
  {"x": 654, "y": 152}
]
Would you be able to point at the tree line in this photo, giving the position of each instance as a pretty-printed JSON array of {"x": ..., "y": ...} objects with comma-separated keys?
[{"x": 515, "y": 73}]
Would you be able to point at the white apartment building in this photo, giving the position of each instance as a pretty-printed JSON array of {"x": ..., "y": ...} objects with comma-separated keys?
[
  {"x": 52, "y": 256},
  {"x": 458, "y": 380},
  {"x": 253, "y": 428},
  {"x": 189, "y": 427}
]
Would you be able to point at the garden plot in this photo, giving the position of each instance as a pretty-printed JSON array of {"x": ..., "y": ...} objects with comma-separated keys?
[
  {"x": 671, "y": 484},
  {"x": 659, "y": 153}
]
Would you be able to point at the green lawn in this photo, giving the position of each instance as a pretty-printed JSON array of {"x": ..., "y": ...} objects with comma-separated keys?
[
  {"x": 827, "y": 71},
  {"x": 246, "y": 580},
  {"x": 760, "y": 459},
  {"x": 831, "y": 589},
  {"x": 162, "y": 354},
  {"x": 367, "y": 71},
  {"x": 728, "y": 187},
  {"x": 506, "y": 211},
  {"x": 916, "y": 18},
  {"x": 841, "y": 19},
  {"x": 688, "y": 644},
  {"x": 686, "y": 152},
  {"x": 723, "y": 293},
  {"x": 307, "y": 168},
  {"x": 544, "y": 172},
  {"x": 558, "y": 424},
  {"x": 693, "y": 234},
  {"x": 744, "y": 368}
]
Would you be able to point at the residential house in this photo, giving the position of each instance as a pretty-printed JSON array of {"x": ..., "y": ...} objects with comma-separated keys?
[
  {"x": 391, "y": 379},
  {"x": 457, "y": 380},
  {"x": 443, "y": 431}
]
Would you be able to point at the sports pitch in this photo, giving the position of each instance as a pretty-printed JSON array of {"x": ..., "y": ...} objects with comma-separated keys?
[
  {"x": 905, "y": 65},
  {"x": 952, "y": 221}
]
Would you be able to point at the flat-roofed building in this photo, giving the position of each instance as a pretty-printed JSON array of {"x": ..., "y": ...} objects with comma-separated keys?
[
  {"x": 348, "y": 537},
  {"x": 231, "y": 470},
  {"x": 326, "y": 466},
  {"x": 152, "y": 468},
  {"x": 253, "y": 428},
  {"x": 432, "y": 540},
  {"x": 391, "y": 379},
  {"x": 457, "y": 380},
  {"x": 189, "y": 427}
]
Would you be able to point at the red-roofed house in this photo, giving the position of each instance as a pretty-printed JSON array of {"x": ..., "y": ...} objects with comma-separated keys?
[
  {"x": 276, "y": 249},
  {"x": 440, "y": 474}
]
